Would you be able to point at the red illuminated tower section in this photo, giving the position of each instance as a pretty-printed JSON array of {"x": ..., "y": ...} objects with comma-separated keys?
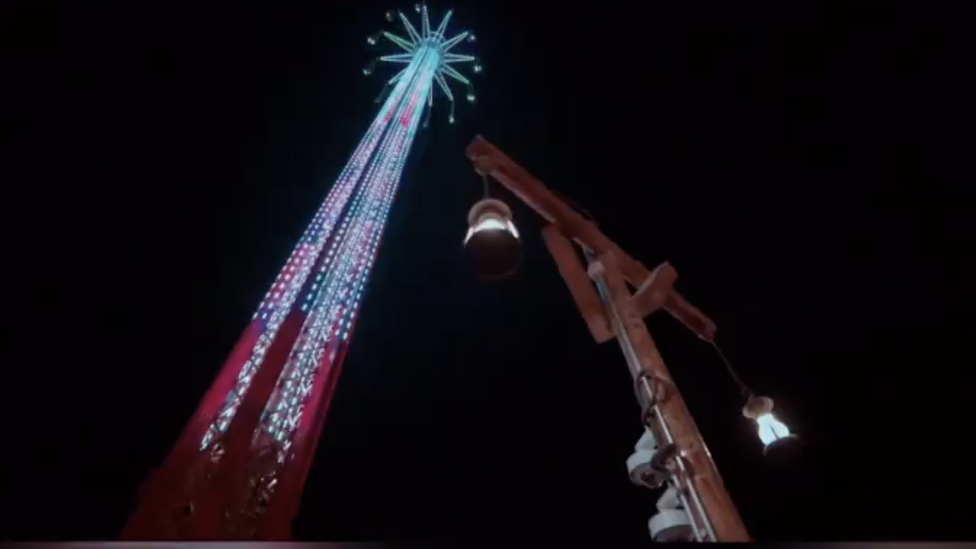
[{"x": 237, "y": 470}]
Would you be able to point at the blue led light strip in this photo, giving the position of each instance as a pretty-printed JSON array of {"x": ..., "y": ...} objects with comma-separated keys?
[{"x": 330, "y": 264}]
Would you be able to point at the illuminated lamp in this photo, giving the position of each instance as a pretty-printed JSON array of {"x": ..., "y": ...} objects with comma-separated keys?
[
  {"x": 492, "y": 247},
  {"x": 773, "y": 433}
]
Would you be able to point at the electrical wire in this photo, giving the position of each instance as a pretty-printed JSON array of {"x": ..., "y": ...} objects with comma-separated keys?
[
  {"x": 574, "y": 205},
  {"x": 746, "y": 391}
]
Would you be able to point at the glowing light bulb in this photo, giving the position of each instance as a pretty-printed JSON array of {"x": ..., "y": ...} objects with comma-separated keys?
[
  {"x": 489, "y": 224},
  {"x": 477, "y": 68},
  {"x": 371, "y": 40},
  {"x": 760, "y": 410},
  {"x": 771, "y": 429},
  {"x": 471, "y": 97},
  {"x": 451, "y": 119}
]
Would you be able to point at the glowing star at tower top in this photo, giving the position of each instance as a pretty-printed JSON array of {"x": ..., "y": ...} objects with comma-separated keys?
[{"x": 435, "y": 40}]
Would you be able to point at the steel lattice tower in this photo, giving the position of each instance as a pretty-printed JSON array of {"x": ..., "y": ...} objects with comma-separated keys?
[{"x": 237, "y": 470}]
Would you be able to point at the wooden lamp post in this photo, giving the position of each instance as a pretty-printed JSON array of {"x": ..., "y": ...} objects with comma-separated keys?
[{"x": 612, "y": 311}]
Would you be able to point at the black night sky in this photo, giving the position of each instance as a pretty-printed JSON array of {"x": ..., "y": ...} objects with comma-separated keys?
[{"x": 792, "y": 165}]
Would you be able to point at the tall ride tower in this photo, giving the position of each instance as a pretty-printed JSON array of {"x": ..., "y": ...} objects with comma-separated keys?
[{"x": 237, "y": 470}]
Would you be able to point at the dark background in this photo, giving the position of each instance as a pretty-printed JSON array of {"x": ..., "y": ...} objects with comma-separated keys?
[{"x": 794, "y": 166}]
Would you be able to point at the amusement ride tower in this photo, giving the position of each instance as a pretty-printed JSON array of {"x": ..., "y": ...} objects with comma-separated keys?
[{"x": 237, "y": 470}]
